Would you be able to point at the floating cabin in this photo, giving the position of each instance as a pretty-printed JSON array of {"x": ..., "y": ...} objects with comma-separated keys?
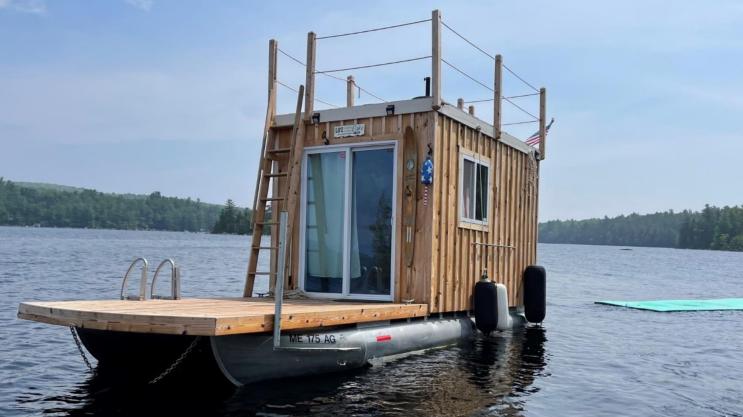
[{"x": 392, "y": 212}]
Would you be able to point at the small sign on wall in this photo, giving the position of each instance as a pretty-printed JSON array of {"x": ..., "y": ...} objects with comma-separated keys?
[{"x": 348, "y": 130}]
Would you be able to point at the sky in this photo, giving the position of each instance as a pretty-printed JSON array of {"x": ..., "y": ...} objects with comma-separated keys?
[{"x": 134, "y": 96}]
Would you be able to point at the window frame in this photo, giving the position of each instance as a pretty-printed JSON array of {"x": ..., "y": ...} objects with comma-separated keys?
[
  {"x": 477, "y": 160},
  {"x": 348, "y": 148}
]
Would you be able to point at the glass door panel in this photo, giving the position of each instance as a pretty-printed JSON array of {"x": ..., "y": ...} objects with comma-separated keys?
[
  {"x": 372, "y": 184},
  {"x": 324, "y": 225}
]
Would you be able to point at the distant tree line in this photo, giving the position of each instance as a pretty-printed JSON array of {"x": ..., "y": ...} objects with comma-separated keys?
[
  {"x": 233, "y": 220},
  {"x": 712, "y": 228},
  {"x": 48, "y": 207}
]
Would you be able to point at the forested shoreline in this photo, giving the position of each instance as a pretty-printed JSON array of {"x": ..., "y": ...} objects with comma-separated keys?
[
  {"x": 46, "y": 205},
  {"x": 716, "y": 228}
]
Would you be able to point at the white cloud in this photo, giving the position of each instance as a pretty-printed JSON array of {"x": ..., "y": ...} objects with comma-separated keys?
[
  {"x": 24, "y": 6},
  {"x": 145, "y": 5}
]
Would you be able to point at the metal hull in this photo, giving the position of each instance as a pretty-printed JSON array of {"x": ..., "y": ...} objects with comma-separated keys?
[{"x": 251, "y": 358}]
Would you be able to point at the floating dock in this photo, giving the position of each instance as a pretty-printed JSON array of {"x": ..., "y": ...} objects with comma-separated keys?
[{"x": 211, "y": 316}]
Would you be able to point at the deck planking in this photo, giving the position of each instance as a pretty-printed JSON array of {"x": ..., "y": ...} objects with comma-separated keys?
[{"x": 211, "y": 316}]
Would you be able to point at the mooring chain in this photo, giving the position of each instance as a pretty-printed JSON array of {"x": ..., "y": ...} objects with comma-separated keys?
[
  {"x": 80, "y": 348},
  {"x": 177, "y": 362}
]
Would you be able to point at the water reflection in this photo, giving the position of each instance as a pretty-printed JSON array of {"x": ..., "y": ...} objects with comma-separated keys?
[{"x": 489, "y": 376}]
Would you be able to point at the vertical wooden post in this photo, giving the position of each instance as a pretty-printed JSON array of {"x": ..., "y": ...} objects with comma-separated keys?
[
  {"x": 542, "y": 120},
  {"x": 497, "y": 96},
  {"x": 309, "y": 97},
  {"x": 472, "y": 110},
  {"x": 273, "y": 46},
  {"x": 436, "y": 58},
  {"x": 350, "y": 87},
  {"x": 460, "y": 103}
]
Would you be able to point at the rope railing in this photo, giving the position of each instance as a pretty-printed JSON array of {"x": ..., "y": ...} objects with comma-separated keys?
[
  {"x": 521, "y": 108},
  {"x": 507, "y": 99},
  {"x": 522, "y": 80},
  {"x": 519, "y": 123},
  {"x": 489, "y": 55},
  {"x": 468, "y": 41},
  {"x": 373, "y": 65},
  {"x": 331, "y": 75},
  {"x": 373, "y": 29},
  {"x": 466, "y": 75},
  {"x": 297, "y": 91},
  {"x": 484, "y": 100}
]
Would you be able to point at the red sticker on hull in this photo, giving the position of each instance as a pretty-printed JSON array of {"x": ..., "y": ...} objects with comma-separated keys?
[{"x": 384, "y": 338}]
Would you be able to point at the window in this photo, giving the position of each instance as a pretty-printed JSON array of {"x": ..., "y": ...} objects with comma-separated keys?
[
  {"x": 347, "y": 221},
  {"x": 473, "y": 197}
]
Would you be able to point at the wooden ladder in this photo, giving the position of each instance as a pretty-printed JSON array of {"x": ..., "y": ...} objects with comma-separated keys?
[{"x": 268, "y": 171}]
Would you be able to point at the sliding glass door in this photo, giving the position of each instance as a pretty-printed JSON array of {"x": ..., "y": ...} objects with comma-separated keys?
[{"x": 348, "y": 222}]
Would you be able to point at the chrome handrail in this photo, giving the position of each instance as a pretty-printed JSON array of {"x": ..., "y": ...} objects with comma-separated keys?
[
  {"x": 175, "y": 281},
  {"x": 142, "y": 281}
]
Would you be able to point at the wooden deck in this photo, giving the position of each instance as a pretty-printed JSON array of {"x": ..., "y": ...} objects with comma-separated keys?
[{"x": 211, "y": 317}]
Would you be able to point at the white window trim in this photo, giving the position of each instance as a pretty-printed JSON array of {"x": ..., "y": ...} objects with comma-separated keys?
[
  {"x": 477, "y": 160},
  {"x": 346, "y": 294}
]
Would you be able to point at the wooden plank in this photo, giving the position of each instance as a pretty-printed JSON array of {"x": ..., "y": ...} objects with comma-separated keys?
[
  {"x": 309, "y": 101},
  {"x": 259, "y": 210},
  {"x": 350, "y": 84},
  {"x": 435, "y": 202},
  {"x": 211, "y": 317},
  {"x": 436, "y": 58},
  {"x": 497, "y": 94},
  {"x": 293, "y": 187},
  {"x": 452, "y": 221},
  {"x": 542, "y": 121}
]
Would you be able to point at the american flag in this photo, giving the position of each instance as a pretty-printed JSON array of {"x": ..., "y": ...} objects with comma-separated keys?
[{"x": 534, "y": 139}]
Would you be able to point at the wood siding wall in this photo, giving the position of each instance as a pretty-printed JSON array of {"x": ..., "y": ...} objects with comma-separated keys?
[
  {"x": 446, "y": 265},
  {"x": 411, "y": 283},
  {"x": 457, "y": 264}
]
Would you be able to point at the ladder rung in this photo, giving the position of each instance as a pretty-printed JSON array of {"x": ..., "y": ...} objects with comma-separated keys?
[
  {"x": 278, "y": 150},
  {"x": 267, "y": 223},
  {"x": 276, "y": 174},
  {"x": 265, "y": 247},
  {"x": 272, "y": 199}
]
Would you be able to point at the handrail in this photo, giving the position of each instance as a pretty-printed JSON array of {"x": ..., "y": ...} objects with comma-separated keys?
[
  {"x": 175, "y": 281},
  {"x": 142, "y": 281}
]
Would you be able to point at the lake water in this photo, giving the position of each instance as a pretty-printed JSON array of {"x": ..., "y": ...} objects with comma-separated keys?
[{"x": 588, "y": 359}]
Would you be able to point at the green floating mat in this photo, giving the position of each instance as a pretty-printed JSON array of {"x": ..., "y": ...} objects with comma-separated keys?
[{"x": 680, "y": 305}]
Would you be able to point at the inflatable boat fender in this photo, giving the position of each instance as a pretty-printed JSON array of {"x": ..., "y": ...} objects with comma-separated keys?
[
  {"x": 486, "y": 306},
  {"x": 535, "y": 293}
]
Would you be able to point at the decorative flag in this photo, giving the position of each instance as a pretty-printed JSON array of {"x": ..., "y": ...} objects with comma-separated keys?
[
  {"x": 534, "y": 139},
  {"x": 426, "y": 178}
]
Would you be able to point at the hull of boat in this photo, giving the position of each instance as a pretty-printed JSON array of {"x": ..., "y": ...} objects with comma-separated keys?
[{"x": 249, "y": 358}]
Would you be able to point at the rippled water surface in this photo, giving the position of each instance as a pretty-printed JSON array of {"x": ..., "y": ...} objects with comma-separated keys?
[{"x": 587, "y": 360}]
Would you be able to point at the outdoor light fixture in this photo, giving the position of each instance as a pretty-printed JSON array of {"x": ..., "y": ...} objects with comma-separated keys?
[
  {"x": 315, "y": 118},
  {"x": 390, "y": 110}
]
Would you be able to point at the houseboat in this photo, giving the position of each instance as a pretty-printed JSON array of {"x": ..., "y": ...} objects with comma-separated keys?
[{"x": 395, "y": 227}]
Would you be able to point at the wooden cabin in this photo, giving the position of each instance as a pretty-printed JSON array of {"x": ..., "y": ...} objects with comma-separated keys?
[
  {"x": 362, "y": 224},
  {"x": 370, "y": 234}
]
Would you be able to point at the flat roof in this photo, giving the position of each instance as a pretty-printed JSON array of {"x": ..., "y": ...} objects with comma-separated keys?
[{"x": 416, "y": 105}]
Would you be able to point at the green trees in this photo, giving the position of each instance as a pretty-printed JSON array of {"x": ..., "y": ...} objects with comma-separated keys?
[
  {"x": 51, "y": 207},
  {"x": 712, "y": 228},
  {"x": 232, "y": 220}
]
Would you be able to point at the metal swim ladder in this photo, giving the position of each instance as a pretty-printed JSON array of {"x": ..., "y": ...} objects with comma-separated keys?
[
  {"x": 142, "y": 280},
  {"x": 175, "y": 281}
]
